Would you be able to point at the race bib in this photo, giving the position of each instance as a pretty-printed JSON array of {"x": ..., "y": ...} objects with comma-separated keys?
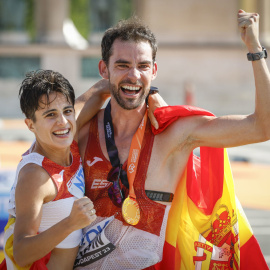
[{"x": 94, "y": 245}]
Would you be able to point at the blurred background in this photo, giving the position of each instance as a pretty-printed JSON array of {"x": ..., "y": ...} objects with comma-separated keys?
[{"x": 201, "y": 61}]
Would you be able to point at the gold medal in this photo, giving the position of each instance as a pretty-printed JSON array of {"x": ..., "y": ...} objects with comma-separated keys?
[
  {"x": 131, "y": 211},
  {"x": 130, "y": 207}
]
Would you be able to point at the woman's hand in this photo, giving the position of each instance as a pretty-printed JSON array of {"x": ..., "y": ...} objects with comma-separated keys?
[
  {"x": 155, "y": 101},
  {"x": 82, "y": 214}
]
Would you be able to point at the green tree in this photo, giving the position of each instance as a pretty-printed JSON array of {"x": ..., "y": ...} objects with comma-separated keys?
[{"x": 79, "y": 15}]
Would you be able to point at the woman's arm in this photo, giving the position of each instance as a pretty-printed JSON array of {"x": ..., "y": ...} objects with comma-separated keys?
[
  {"x": 33, "y": 189},
  {"x": 155, "y": 101}
]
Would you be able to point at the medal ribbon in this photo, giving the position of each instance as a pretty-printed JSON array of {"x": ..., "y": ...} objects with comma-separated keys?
[
  {"x": 134, "y": 152},
  {"x": 134, "y": 155},
  {"x": 110, "y": 142}
]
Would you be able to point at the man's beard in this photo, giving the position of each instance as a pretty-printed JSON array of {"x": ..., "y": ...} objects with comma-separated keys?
[{"x": 127, "y": 103}]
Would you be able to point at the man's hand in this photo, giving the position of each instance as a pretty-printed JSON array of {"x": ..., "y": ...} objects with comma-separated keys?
[
  {"x": 82, "y": 213},
  {"x": 155, "y": 101},
  {"x": 248, "y": 24}
]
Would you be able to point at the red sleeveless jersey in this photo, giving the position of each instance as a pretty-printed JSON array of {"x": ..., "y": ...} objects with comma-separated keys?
[{"x": 97, "y": 167}]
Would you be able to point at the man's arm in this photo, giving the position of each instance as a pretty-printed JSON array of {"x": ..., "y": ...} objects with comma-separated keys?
[{"x": 229, "y": 131}]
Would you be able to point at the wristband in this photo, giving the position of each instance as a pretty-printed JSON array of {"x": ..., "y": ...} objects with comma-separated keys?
[
  {"x": 159, "y": 196},
  {"x": 153, "y": 90},
  {"x": 257, "y": 56}
]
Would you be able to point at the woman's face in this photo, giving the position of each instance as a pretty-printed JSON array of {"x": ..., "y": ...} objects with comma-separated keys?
[{"x": 55, "y": 124}]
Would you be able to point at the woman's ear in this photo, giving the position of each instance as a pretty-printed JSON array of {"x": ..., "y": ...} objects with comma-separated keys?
[
  {"x": 103, "y": 70},
  {"x": 30, "y": 124}
]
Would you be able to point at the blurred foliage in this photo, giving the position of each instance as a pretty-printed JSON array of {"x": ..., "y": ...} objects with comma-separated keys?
[
  {"x": 125, "y": 9},
  {"x": 19, "y": 15},
  {"x": 80, "y": 13},
  {"x": 29, "y": 19},
  {"x": 80, "y": 16}
]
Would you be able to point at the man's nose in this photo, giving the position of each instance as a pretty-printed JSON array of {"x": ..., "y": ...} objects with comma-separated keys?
[{"x": 134, "y": 74}]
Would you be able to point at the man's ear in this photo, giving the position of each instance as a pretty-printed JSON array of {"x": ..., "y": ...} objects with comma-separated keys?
[
  {"x": 29, "y": 123},
  {"x": 154, "y": 73},
  {"x": 103, "y": 70}
]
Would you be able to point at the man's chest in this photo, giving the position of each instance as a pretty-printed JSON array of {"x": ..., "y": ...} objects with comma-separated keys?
[{"x": 166, "y": 167}]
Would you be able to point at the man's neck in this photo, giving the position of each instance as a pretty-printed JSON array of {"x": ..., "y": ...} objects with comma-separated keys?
[{"x": 126, "y": 122}]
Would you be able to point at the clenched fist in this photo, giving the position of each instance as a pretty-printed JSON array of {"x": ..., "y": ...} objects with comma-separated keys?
[
  {"x": 82, "y": 213},
  {"x": 248, "y": 24}
]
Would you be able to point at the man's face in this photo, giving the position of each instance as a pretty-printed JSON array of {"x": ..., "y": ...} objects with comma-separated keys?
[{"x": 130, "y": 72}]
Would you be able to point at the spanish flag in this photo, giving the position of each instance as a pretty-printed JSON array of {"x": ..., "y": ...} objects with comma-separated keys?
[
  {"x": 9, "y": 263},
  {"x": 207, "y": 228}
]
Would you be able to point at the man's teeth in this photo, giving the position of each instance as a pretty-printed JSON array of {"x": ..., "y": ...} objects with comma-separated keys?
[
  {"x": 132, "y": 88},
  {"x": 61, "y": 132}
]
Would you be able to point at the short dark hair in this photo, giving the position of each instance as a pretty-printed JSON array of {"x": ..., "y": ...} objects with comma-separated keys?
[
  {"x": 39, "y": 83},
  {"x": 127, "y": 30}
]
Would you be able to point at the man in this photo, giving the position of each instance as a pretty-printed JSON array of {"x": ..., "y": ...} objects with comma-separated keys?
[{"x": 129, "y": 232}]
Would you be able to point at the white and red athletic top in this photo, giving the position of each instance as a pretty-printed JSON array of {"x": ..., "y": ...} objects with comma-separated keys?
[{"x": 70, "y": 186}]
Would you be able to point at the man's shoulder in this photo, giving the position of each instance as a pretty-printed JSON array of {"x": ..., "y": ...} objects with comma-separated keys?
[
  {"x": 171, "y": 116},
  {"x": 176, "y": 130}
]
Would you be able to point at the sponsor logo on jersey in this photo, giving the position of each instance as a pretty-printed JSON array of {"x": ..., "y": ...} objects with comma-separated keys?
[
  {"x": 99, "y": 183},
  {"x": 76, "y": 185}
]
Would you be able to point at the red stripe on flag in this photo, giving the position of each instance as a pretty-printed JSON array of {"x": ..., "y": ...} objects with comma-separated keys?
[
  {"x": 205, "y": 182},
  {"x": 251, "y": 256},
  {"x": 3, "y": 265},
  {"x": 168, "y": 262},
  {"x": 167, "y": 115}
]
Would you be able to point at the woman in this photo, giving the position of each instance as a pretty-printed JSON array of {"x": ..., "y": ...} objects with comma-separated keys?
[{"x": 47, "y": 204}]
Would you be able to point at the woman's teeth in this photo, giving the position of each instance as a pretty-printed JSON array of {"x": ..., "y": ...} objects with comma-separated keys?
[{"x": 61, "y": 132}]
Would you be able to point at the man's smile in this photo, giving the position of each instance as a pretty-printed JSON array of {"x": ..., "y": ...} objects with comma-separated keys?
[{"x": 131, "y": 90}]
